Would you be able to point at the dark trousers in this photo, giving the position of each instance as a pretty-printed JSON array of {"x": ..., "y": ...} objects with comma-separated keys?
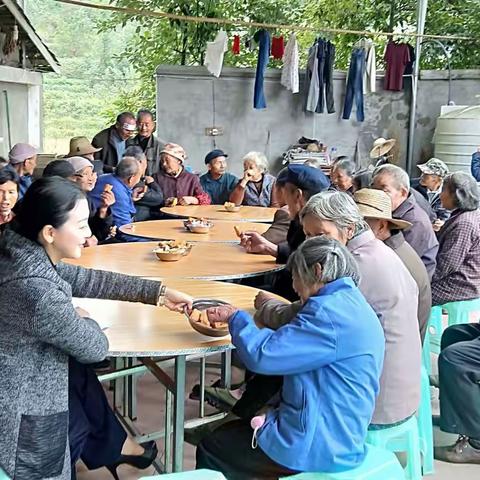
[
  {"x": 326, "y": 59},
  {"x": 459, "y": 371},
  {"x": 228, "y": 450},
  {"x": 259, "y": 390},
  {"x": 95, "y": 434},
  {"x": 355, "y": 85}
]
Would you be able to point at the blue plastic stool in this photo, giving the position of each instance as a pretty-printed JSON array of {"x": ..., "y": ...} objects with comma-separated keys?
[
  {"x": 401, "y": 438},
  {"x": 379, "y": 464},
  {"x": 194, "y": 475},
  {"x": 425, "y": 428},
  {"x": 433, "y": 335},
  {"x": 458, "y": 313}
]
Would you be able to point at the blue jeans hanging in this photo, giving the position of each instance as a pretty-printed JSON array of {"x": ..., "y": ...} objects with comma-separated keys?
[
  {"x": 263, "y": 38},
  {"x": 326, "y": 59},
  {"x": 355, "y": 85}
]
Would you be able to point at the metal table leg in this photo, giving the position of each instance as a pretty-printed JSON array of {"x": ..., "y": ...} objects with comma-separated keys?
[
  {"x": 226, "y": 373},
  {"x": 179, "y": 413}
]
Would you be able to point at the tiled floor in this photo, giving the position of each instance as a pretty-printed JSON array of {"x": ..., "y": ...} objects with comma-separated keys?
[{"x": 150, "y": 417}]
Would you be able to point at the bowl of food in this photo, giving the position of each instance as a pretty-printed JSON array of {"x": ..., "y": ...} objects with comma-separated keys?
[
  {"x": 200, "y": 322},
  {"x": 231, "y": 207},
  {"x": 172, "y": 250},
  {"x": 198, "y": 225}
]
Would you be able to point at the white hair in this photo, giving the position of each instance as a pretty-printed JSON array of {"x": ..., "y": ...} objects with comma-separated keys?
[
  {"x": 336, "y": 207},
  {"x": 259, "y": 159},
  {"x": 397, "y": 174}
]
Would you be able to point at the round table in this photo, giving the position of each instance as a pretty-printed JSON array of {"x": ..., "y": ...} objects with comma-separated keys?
[
  {"x": 146, "y": 331},
  {"x": 218, "y": 212},
  {"x": 222, "y": 231},
  {"x": 223, "y": 261}
]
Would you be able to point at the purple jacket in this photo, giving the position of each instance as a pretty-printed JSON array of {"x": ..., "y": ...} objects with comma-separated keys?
[
  {"x": 420, "y": 235},
  {"x": 185, "y": 185}
]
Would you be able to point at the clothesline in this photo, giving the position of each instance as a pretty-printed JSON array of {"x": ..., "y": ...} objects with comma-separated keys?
[{"x": 242, "y": 23}]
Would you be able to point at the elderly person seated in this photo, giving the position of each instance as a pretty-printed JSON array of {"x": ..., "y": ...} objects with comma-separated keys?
[
  {"x": 376, "y": 208},
  {"x": 81, "y": 147},
  {"x": 151, "y": 195},
  {"x": 389, "y": 289},
  {"x": 331, "y": 364},
  {"x": 342, "y": 175},
  {"x": 23, "y": 159},
  {"x": 256, "y": 186},
  {"x": 301, "y": 183},
  {"x": 121, "y": 183},
  {"x": 396, "y": 184},
  {"x": 8, "y": 194},
  {"x": 457, "y": 276},
  {"x": 429, "y": 185},
  {"x": 217, "y": 182},
  {"x": 100, "y": 219},
  {"x": 178, "y": 185}
]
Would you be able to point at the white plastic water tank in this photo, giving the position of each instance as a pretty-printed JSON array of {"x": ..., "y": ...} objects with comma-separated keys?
[{"x": 457, "y": 136}]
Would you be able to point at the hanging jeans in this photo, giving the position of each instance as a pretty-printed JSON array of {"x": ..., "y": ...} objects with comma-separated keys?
[
  {"x": 263, "y": 38},
  {"x": 326, "y": 59},
  {"x": 355, "y": 85}
]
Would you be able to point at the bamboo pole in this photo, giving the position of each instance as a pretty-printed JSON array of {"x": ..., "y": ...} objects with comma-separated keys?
[{"x": 242, "y": 23}]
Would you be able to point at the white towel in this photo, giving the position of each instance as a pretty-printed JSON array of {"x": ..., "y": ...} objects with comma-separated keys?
[
  {"x": 290, "y": 65},
  {"x": 215, "y": 52}
]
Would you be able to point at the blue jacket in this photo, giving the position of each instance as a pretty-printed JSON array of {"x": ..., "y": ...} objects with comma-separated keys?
[
  {"x": 219, "y": 190},
  {"x": 331, "y": 357},
  {"x": 123, "y": 209},
  {"x": 476, "y": 166}
]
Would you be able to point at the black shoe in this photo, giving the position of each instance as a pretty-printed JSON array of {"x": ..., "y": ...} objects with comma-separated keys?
[
  {"x": 461, "y": 452},
  {"x": 138, "y": 461},
  {"x": 195, "y": 393}
]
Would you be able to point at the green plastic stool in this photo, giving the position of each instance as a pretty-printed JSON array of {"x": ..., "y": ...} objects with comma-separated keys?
[
  {"x": 458, "y": 313},
  {"x": 425, "y": 428},
  {"x": 3, "y": 475},
  {"x": 401, "y": 438},
  {"x": 379, "y": 464},
  {"x": 194, "y": 475}
]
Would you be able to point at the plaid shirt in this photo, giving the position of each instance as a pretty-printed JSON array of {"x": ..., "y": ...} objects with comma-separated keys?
[{"x": 457, "y": 275}]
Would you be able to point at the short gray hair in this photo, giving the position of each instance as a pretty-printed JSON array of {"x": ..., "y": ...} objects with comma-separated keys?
[
  {"x": 136, "y": 152},
  {"x": 398, "y": 175},
  {"x": 465, "y": 190},
  {"x": 346, "y": 165},
  {"x": 259, "y": 158},
  {"x": 127, "y": 167},
  {"x": 336, "y": 207},
  {"x": 334, "y": 259}
]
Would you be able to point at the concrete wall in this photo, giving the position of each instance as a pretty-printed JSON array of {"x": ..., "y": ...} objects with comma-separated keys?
[
  {"x": 189, "y": 100},
  {"x": 24, "y": 92}
]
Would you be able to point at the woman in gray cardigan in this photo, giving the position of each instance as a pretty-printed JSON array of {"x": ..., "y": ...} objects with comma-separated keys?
[{"x": 41, "y": 331}]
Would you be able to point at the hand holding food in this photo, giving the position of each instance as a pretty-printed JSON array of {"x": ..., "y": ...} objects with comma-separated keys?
[
  {"x": 171, "y": 202},
  {"x": 107, "y": 196},
  {"x": 177, "y": 301},
  {"x": 188, "y": 200}
]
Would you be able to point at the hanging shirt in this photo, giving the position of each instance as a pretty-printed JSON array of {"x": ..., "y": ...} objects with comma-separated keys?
[
  {"x": 290, "y": 65},
  {"x": 236, "y": 45},
  {"x": 215, "y": 52},
  {"x": 313, "y": 90},
  {"x": 370, "y": 72},
  {"x": 263, "y": 39},
  {"x": 278, "y": 48},
  {"x": 397, "y": 56}
]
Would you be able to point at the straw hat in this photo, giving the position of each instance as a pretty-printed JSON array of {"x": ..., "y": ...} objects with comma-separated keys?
[
  {"x": 377, "y": 204},
  {"x": 381, "y": 147},
  {"x": 81, "y": 146}
]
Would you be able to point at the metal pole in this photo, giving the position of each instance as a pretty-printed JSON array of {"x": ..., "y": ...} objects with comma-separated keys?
[
  {"x": 421, "y": 17},
  {"x": 179, "y": 413}
]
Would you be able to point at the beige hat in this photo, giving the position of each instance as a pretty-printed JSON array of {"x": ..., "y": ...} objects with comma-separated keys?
[
  {"x": 79, "y": 163},
  {"x": 81, "y": 146},
  {"x": 381, "y": 147},
  {"x": 175, "y": 151},
  {"x": 377, "y": 204}
]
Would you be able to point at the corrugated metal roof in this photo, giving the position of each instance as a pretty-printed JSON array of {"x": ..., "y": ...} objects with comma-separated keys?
[{"x": 39, "y": 56}]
